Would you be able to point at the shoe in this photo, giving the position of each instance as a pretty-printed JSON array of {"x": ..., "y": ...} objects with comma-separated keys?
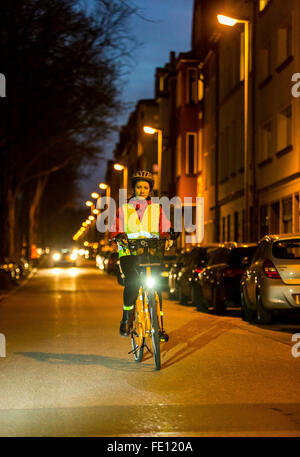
[
  {"x": 163, "y": 336},
  {"x": 126, "y": 323}
]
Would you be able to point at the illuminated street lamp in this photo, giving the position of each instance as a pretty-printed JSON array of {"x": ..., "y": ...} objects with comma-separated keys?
[
  {"x": 151, "y": 131},
  {"x": 229, "y": 21},
  {"x": 91, "y": 218},
  {"x": 89, "y": 203},
  {"x": 95, "y": 195},
  {"x": 119, "y": 167}
]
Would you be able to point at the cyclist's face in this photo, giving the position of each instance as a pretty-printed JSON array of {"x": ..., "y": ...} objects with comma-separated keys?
[{"x": 142, "y": 189}]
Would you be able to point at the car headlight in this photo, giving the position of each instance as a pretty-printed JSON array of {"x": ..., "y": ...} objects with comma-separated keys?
[
  {"x": 56, "y": 256},
  {"x": 150, "y": 281},
  {"x": 73, "y": 256}
]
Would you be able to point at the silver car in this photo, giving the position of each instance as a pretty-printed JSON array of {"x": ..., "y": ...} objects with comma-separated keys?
[{"x": 272, "y": 281}]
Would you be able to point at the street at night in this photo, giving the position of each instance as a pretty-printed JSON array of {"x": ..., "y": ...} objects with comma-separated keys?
[{"x": 67, "y": 371}]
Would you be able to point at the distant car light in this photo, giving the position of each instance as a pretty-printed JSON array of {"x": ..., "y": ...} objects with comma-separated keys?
[
  {"x": 56, "y": 256},
  {"x": 73, "y": 256}
]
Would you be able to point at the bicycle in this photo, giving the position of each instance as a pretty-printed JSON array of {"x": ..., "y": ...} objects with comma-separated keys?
[{"x": 147, "y": 321}]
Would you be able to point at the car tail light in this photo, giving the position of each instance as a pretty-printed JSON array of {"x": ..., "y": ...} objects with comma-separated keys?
[
  {"x": 232, "y": 272},
  {"x": 199, "y": 270},
  {"x": 270, "y": 270}
]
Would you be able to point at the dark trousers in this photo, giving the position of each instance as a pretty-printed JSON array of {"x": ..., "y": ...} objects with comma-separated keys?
[{"x": 131, "y": 270}]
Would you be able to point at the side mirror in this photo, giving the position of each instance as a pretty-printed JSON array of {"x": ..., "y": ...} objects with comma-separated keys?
[{"x": 245, "y": 262}]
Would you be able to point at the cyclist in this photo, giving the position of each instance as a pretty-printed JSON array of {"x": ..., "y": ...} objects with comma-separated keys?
[{"x": 139, "y": 218}]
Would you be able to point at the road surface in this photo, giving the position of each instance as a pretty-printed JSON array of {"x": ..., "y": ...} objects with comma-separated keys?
[{"x": 67, "y": 371}]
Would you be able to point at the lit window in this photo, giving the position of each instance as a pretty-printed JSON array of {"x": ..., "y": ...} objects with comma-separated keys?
[
  {"x": 178, "y": 156},
  {"x": 287, "y": 215},
  {"x": 191, "y": 156},
  {"x": 191, "y": 85},
  {"x": 179, "y": 89},
  {"x": 284, "y": 128}
]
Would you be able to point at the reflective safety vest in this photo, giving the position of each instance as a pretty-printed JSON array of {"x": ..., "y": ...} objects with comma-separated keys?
[{"x": 148, "y": 227}]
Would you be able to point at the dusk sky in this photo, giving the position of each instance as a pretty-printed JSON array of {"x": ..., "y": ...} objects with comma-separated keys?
[{"x": 169, "y": 31}]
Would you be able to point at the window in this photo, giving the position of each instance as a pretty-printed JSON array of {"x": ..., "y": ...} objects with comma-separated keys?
[
  {"x": 200, "y": 89},
  {"x": 228, "y": 227},
  {"x": 206, "y": 169},
  {"x": 236, "y": 226},
  {"x": 284, "y": 128},
  {"x": 265, "y": 62},
  {"x": 200, "y": 139},
  {"x": 287, "y": 215},
  {"x": 178, "y": 89},
  {"x": 191, "y": 85},
  {"x": 266, "y": 141},
  {"x": 263, "y": 4},
  {"x": 191, "y": 154},
  {"x": 274, "y": 219},
  {"x": 264, "y": 221},
  {"x": 178, "y": 156},
  {"x": 284, "y": 43}
]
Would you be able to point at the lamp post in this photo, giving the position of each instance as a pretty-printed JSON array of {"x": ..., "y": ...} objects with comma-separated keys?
[
  {"x": 152, "y": 131},
  {"x": 119, "y": 167},
  {"x": 105, "y": 187},
  {"x": 229, "y": 21}
]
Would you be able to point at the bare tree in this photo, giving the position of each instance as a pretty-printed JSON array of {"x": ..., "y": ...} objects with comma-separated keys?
[{"x": 62, "y": 65}]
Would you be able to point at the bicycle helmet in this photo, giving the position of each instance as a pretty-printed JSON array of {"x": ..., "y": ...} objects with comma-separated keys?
[{"x": 143, "y": 175}]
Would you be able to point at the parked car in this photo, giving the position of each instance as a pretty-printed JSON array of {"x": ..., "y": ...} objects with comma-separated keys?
[
  {"x": 180, "y": 262},
  {"x": 219, "y": 282},
  {"x": 195, "y": 261},
  {"x": 272, "y": 280},
  {"x": 167, "y": 263}
]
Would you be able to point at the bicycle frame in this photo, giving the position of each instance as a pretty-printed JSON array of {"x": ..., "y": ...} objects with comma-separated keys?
[{"x": 148, "y": 319}]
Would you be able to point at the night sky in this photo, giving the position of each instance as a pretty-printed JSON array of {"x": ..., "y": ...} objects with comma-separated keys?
[{"x": 166, "y": 27}]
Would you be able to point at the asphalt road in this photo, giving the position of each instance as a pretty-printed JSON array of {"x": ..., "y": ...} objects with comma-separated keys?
[{"x": 67, "y": 371}]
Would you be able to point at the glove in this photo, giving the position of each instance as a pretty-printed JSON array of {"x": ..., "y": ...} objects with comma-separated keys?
[
  {"x": 122, "y": 239},
  {"x": 169, "y": 244}
]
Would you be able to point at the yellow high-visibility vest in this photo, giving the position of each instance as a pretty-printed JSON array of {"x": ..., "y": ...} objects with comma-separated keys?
[{"x": 148, "y": 227}]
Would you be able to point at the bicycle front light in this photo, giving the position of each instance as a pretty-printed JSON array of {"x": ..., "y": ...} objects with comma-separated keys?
[{"x": 150, "y": 281}]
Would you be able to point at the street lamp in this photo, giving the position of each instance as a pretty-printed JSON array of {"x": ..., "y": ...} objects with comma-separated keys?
[
  {"x": 229, "y": 21},
  {"x": 119, "y": 167},
  {"x": 152, "y": 131}
]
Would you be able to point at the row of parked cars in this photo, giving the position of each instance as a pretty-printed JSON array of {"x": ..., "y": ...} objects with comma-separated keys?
[
  {"x": 11, "y": 272},
  {"x": 262, "y": 278}
]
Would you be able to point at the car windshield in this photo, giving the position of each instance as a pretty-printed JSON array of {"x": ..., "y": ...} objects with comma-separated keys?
[
  {"x": 238, "y": 254},
  {"x": 287, "y": 249}
]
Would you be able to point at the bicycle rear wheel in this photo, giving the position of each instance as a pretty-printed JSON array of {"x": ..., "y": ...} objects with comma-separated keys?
[{"x": 154, "y": 329}]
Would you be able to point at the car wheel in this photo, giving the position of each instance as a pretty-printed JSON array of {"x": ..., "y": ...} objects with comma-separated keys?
[
  {"x": 183, "y": 299},
  {"x": 247, "y": 313},
  {"x": 196, "y": 294},
  {"x": 262, "y": 315},
  {"x": 219, "y": 305}
]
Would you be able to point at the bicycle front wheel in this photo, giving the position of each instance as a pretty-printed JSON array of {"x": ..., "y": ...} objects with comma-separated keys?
[
  {"x": 137, "y": 344},
  {"x": 154, "y": 330}
]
